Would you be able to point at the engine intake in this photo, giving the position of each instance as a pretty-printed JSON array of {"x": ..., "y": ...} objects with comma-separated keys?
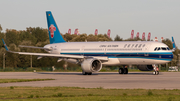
[
  {"x": 145, "y": 67},
  {"x": 91, "y": 65}
]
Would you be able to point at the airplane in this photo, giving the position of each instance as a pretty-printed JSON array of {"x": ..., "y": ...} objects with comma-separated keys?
[{"x": 93, "y": 55}]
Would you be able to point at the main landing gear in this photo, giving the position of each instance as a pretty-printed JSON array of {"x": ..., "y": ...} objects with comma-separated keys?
[
  {"x": 156, "y": 70},
  {"x": 123, "y": 70},
  {"x": 86, "y": 73}
]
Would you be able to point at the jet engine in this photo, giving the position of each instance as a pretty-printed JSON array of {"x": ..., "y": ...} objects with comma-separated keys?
[
  {"x": 145, "y": 67},
  {"x": 91, "y": 65}
]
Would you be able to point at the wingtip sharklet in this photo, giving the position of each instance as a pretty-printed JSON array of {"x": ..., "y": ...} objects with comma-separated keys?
[
  {"x": 5, "y": 45},
  {"x": 174, "y": 46}
]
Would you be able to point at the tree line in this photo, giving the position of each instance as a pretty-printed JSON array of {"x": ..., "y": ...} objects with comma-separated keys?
[{"x": 36, "y": 36}]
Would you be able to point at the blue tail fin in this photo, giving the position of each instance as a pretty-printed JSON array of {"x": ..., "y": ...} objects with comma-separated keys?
[{"x": 54, "y": 34}]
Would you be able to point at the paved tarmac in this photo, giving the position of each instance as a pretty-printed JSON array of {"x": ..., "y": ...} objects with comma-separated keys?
[{"x": 133, "y": 80}]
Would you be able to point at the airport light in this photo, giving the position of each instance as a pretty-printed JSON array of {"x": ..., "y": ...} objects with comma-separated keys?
[
  {"x": 178, "y": 64},
  {"x": 4, "y": 61},
  {"x": 31, "y": 61}
]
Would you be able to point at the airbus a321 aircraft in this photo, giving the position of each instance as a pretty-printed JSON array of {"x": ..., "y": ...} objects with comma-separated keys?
[{"x": 93, "y": 55}]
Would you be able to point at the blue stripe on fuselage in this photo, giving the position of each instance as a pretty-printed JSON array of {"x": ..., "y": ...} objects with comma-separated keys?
[
  {"x": 147, "y": 55},
  {"x": 144, "y": 58}
]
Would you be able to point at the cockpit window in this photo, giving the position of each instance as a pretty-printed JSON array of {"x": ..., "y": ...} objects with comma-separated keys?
[
  {"x": 163, "y": 48},
  {"x": 155, "y": 49}
]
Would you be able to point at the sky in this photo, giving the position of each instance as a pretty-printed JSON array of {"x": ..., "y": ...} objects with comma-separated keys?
[{"x": 160, "y": 17}]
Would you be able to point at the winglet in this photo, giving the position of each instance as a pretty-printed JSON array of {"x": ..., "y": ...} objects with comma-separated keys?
[
  {"x": 5, "y": 45},
  {"x": 174, "y": 46}
]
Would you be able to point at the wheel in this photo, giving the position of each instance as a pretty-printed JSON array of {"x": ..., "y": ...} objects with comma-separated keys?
[
  {"x": 84, "y": 73},
  {"x": 121, "y": 70},
  {"x": 157, "y": 72},
  {"x": 125, "y": 71},
  {"x": 89, "y": 73}
]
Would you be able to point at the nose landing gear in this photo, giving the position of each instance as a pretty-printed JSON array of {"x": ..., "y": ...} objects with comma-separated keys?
[{"x": 156, "y": 70}]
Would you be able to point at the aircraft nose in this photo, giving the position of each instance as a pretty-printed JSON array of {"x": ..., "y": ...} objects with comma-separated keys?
[{"x": 171, "y": 56}]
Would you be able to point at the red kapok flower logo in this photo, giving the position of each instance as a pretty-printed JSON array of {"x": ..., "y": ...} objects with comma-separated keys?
[{"x": 52, "y": 28}]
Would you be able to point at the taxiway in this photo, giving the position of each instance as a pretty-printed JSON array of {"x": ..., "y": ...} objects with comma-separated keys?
[{"x": 113, "y": 80}]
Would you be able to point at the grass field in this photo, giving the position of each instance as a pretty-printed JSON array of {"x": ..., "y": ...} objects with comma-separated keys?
[
  {"x": 86, "y": 94},
  {"x": 21, "y": 80}
]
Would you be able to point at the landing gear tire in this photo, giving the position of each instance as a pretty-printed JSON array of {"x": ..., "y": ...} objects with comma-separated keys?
[
  {"x": 86, "y": 73},
  {"x": 125, "y": 71},
  {"x": 89, "y": 73},
  {"x": 156, "y": 72},
  {"x": 121, "y": 71}
]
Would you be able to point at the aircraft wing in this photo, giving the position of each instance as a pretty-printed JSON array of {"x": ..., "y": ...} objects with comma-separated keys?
[
  {"x": 44, "y": 54},
  {"x": 34, "y": 47},
  {"x": 61, "y": 55},
  {"x": 50, "y": 55},
  {"x": 54, "y": 55}
]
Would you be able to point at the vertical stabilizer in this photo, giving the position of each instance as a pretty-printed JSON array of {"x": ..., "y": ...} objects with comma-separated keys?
[{"x": 54, "y": 34}]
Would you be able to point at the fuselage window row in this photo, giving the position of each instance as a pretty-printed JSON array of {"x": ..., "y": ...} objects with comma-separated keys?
[
  {"x": 123, "y": 49},
  {"x": 136, "y": 46},
  {"x": 102, "y": 49},
  {"x": 70, "y": 49},
  {"x": 93, "y": 49}
]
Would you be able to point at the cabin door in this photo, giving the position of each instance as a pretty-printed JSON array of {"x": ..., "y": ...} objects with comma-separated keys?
[
  {"x": 146, "y": 50},
  {"x": 82, "y": 50}
]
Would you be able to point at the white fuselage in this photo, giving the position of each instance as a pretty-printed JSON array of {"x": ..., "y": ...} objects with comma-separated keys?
[{"x": 118, "y": 52}]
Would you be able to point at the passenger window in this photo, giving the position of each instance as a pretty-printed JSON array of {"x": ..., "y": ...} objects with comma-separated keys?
[
  {"x": 125, "y": 45},
  {"x": 155, "y": 49},
  {"x": 132, "y": 46},
  {"x": 140, "y": 45},
  {"x": 129, "y": 45},
  {"x": 143, "y": 45},
  {"x": 136, "y": 45}
]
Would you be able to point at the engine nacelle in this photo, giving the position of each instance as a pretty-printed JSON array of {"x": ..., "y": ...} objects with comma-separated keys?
[
  {"x": 145, "y": 67},
  {"x": 91, "y": 65}
]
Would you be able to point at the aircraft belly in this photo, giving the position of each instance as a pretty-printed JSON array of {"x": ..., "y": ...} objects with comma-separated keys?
[
  {"x": 127, "y": 61},
  {"x": 140, "y": 61},
  {"x": 112, "y": 61}
]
